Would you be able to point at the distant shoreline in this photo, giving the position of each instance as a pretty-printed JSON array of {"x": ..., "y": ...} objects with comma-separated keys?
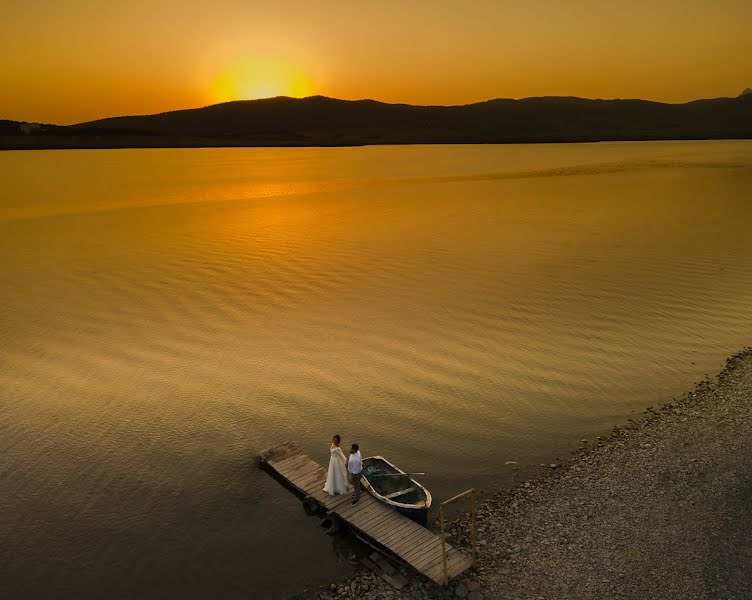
[
  {"x": 23, "y": 145},
  {"x": 318, "y": 121}
]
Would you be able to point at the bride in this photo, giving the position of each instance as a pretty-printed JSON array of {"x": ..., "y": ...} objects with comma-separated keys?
[{"x": 336, "y": 479}]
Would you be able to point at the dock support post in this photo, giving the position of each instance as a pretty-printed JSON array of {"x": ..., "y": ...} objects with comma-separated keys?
[
  {"x": 474, "y": 528},
  {"x": 443, "y": 545}
]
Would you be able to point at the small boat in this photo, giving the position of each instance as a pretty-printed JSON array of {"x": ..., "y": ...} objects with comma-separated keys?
[{"x": 396, "y": 489}]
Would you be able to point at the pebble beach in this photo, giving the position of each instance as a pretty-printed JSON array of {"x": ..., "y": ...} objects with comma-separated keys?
[{"x": 659, "y": 508}]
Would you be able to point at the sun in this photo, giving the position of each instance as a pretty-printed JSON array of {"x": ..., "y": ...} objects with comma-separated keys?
[{"x": 260, "y": 78}]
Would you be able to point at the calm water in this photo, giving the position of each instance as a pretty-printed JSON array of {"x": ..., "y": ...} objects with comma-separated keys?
[{"x": 167, "y": 314}]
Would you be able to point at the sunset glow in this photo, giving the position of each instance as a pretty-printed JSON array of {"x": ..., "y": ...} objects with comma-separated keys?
[{"x": 260, "y": 78}]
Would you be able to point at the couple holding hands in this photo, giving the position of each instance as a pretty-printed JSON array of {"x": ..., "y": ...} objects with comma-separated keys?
[{"x": 341, "y": 469}]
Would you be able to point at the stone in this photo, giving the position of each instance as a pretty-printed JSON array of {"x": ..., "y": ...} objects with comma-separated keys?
[
  {"x": 475, "y": 595},
  {"x": 461, "y": 591}
]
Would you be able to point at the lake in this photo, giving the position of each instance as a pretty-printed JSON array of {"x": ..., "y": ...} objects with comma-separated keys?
[{"x": 165, "y": 315}]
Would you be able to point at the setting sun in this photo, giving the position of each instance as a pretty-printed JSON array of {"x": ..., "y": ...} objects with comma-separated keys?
[{"x": 260, "y": 78}]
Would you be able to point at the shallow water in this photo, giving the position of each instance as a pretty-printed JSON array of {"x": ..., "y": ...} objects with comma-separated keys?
[{"x": 167, "y": 314}]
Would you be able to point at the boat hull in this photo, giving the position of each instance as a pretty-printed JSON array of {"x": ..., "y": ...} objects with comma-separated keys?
[
  {"x": 419, "y": 515},
  {"x": 392, "y": 486}
]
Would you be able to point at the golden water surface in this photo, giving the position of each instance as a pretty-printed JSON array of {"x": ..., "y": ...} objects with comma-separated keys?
[{"x": 167, "y": 314}]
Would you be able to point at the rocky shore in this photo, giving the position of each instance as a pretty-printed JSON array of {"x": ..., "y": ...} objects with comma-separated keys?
[{"x": 660, "y": 508}]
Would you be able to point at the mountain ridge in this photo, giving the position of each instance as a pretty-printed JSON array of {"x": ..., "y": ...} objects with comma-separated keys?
[{"x": 323, "y": 121}]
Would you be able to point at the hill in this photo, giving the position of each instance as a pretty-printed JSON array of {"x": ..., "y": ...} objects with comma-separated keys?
[{"x": 321, "y": 121}]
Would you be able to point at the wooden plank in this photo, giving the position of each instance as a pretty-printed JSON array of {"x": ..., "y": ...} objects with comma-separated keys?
[
  {"x": 333, "y": 502},
  {"x": 359, "y": 517},
  {"x": 377, "y": 535},
  {"x": 384, "y": 564},
  {"x": 388, "y": 524},
  {"x": 397, "y": 524},
  {"x": 287, "y": 463},
  {"x": 281, "y": 454},
  {"x": 393, "y": 544},
  {"x": 433, "y": 566},
  {"x": 311, "y": 483},
  {"x": 427, "y": 560},
  {"x": 299, "y": 471},
  {"x": 412, "y": 530},
  {"x": 434, "y": 540},
  {"x": 293, "y": 476},
  {"x": 435, "y": 570},
  {"x": 372, "y": 510},
  {"x": 326, "y": 500},
  {"x": 365, "y": 503},
  {"x": 460, "y": 567},
  {"x": 343, "y": 511},
  {"x": 413, "y": 542},
  {"x": 403, "y": 546},
  {"x": 313, "y": 486},
  {"x": 294, "y": 464},
  {"x": 423, "y": 549},
  {"x": 372, "y": 566},
  {"x": 306, "y": 485},
  {"x": 368, "y": 514},
  {"x": 402, "y": 533},
  {"x": 396, "y": 580},
  {"x": 295, "y": 471},
  {"x": 345, "y": 500},
  {"x": 278, "y": 452},
  {"x": 353, "y": 509},
  {"x": 338, "y": 497},
  {"x": 419, "y": 533},
  {"x": 430, "y": 557},
  {"x": 365, "y": 500},
  {"x": 306, "y": 478},
  {"x": 378, "y": 515},
  {"x": 400, "y": 549},
  {"x": 399, "y": 493},
  {"x": 375, "y": 524}
]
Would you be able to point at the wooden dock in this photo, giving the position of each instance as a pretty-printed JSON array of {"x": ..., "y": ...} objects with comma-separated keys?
[{"x": 385, "y": 528}]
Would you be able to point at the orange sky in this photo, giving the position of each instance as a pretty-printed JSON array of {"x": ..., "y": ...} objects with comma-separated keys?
[{"x": 65, "y": 62}]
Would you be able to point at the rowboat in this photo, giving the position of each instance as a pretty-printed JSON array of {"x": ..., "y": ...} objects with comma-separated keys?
[{"x": 395, "y": 488}]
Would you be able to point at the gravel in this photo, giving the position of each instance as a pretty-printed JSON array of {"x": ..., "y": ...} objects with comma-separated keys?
[{"x": 661, "y": 508}]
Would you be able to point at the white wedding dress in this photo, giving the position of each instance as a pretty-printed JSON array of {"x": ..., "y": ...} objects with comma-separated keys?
[{"x": 336, "y": 479}]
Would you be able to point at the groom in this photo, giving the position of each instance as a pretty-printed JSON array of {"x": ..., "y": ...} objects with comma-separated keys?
[{"x": 355, "y": 468}]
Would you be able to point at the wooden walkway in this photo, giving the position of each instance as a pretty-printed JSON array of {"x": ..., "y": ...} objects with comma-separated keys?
[{"x": 406, "y": 540}]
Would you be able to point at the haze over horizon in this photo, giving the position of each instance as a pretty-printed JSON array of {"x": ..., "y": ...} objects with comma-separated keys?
[{"x": 160, "y": 56}]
